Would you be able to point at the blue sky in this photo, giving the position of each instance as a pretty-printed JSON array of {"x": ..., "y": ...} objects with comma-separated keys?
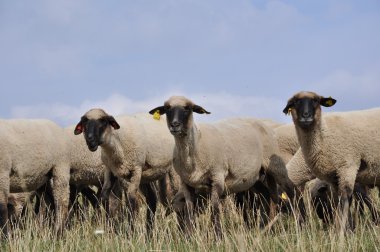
[{"x": 235, "y": 58}]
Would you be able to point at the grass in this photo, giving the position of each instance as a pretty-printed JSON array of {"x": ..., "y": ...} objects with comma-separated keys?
[{"x": 35, "y": 234}]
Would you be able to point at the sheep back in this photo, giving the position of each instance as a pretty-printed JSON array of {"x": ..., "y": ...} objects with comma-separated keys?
[{"x": 30, "y": 149}]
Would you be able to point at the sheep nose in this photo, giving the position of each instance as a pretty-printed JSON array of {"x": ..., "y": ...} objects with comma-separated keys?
[
  {"x": 306, "y": 114},
  {"x": 175, "y": 124},
  {"x": 90, "y": 136}
]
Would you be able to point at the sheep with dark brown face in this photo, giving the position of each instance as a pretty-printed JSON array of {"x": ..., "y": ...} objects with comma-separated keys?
[
  {"x": 341, "y": 148},
  {"x": 220, "y": 158},
  {"x": 137, "y": 150}
]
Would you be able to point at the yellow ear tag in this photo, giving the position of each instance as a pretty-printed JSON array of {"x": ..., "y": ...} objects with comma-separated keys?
[
  {"x": 157, "y": 115},
  {"x": 284, "y": 196},
  {"x": 329, "y": 102},
  {"x": 289, "y": 111}
]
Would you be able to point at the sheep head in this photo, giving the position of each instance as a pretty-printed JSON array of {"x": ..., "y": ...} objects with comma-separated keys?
[
  {"x": 305, "y": 108},
  {"x": 179, "y": 113},
  {"x": 95, "y": 124}
]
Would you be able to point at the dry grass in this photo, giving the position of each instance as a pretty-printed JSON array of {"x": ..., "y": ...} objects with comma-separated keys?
[{"x": 36, "y": 235}]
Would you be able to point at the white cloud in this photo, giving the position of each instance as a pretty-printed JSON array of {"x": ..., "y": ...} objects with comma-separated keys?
[{"x": 221, "y": 105}]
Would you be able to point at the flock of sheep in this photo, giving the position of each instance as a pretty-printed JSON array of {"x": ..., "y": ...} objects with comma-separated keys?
[{"x": 183, "y": 164}]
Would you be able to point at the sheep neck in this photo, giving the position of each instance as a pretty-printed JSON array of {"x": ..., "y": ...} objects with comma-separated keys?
[
  {"x": 112, "y": 147},
  {"x": 186, "y": 147},
  {"x": 311, "y": 141}
]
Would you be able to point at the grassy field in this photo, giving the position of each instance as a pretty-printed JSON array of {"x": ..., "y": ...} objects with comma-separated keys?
[{"x": 35, "y": 235}]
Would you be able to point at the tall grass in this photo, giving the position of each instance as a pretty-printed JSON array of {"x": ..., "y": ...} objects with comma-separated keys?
[{"x": 35, "y": 234}]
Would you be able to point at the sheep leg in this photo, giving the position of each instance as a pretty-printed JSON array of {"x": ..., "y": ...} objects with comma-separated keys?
[
  {"x": 90, "y": 195},
  {"x": 273, "y": 191},
  {"x": 106, "y": 190},
  {"x": 345, "y": 188},
  {"x": 74, "y": 204},
  {"x": 61, "y": 192},
  {"x": 178, "y": 204},
  {"x": 217, "y": 188},
  {"x": 243, "y": 202},
  {"x": 263, "y": 201},
  {"x": 4, "y": 210},
  {"x": 131, "y": 188},
  {"x": 188, "y": 211},
  {"x": 151, "y": 199},
  {"x": 44, "y": 201},
  {"x": 165, "y": 192},
  {"x": 115, "y": 201},
  {"x": 361, "y": 194},
  {"x": 369, "y": 203}
]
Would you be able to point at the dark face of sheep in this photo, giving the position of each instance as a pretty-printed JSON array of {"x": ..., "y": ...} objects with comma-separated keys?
[
  {"x": 177, "y": 119},
  {"x": 305, "y": 108},
  {"x": 94, "y": 129},
  {"x": 179, "y": 111}
]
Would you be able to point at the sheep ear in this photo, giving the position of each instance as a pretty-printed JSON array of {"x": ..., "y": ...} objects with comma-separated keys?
[
  {"x": 79, "y": 128},
  {"x": 288, "y": 107},
  {"x": 160, "y": 110},
  {"x": 200, "y": 110},
  {"x": 327, "y": 102},
  {"x": 111, "y": 120}
]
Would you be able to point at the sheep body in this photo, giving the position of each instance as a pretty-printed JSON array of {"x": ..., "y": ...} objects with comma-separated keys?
[
  {"x": 32, "y": 152},
  {"x": 345, "y": 144},
  {"x": 218, "y": 155},
  {"x": 142, "y": 144},
  {"x": 340, "y": 148}
]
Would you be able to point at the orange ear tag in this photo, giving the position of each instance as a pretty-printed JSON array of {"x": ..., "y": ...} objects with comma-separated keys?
[
  {"x": 289, "y": 111},
  {"x": 157, "y": 115}
]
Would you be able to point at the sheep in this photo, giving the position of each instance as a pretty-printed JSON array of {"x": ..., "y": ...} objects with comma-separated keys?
[
  {"x": 137, "y": 154},
  {"x": 220, "y": 158},
  {"x": 32, "y": 152},
  {"x": 341, "y": 148},
  {"x": 321, "y": 191}
]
